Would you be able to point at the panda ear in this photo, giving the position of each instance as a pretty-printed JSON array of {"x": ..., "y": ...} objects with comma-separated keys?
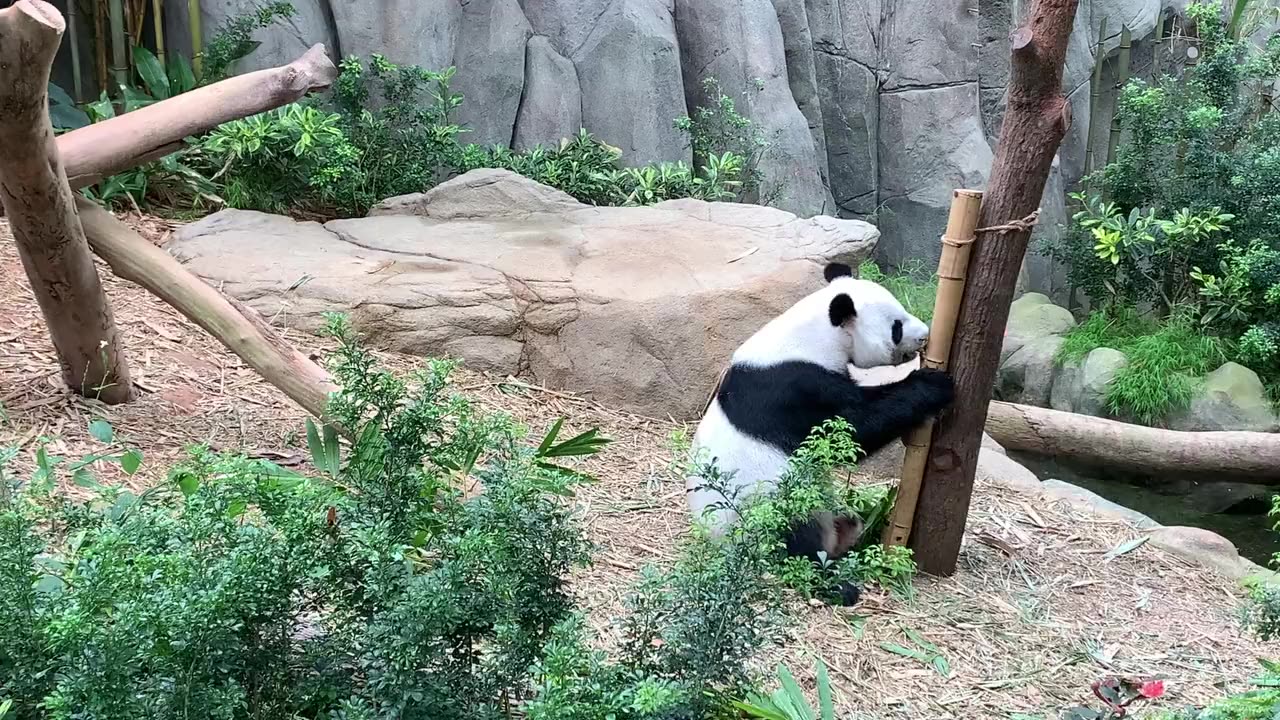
[
  {"x": 835, "y": 270},
  {"x": 841, "y": 310}
]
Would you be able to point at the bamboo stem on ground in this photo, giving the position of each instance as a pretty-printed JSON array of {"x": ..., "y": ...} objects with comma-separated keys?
[{"x": 953, "y": 268}]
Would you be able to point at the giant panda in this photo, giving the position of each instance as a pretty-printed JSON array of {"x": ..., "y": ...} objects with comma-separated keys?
[{"x": 792, "y": 375}]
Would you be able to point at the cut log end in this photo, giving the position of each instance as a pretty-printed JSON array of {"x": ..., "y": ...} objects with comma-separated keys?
[{"x": 42, "y": 13}]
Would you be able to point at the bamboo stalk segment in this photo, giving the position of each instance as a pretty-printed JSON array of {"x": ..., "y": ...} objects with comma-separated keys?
[{"x": 953, "y": 269}]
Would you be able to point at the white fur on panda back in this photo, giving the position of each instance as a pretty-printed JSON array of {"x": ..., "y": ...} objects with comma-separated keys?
[{"x": 755, "y": 465}]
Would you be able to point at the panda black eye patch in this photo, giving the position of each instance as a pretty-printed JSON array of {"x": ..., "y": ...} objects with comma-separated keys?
[{"x": 897, "y": 332}]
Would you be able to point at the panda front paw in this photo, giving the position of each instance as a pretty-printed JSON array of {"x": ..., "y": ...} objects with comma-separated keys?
[{"x": 936, "y": 385}]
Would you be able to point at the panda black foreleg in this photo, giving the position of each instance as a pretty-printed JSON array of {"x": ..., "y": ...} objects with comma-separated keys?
[{"x": 882, "y": 413}]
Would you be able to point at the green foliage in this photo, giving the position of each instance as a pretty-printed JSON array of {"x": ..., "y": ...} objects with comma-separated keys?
[
  {"x": 238, "y": 589},
  {"x": 234, "y": 41},
  {"x": 389, "y": 130},
  {"x": 63, "y": 112},
  {"x": 1166, "y": 359},
  {"x": 913, "y": 284},
  {"x": 718, "y": 128},
  {"x": 788, "y": 701}
]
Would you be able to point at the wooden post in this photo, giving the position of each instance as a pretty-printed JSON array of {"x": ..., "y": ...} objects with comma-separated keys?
[
  {"x": 42, "y": 213},
  {"x": 1036, "y": 118},
  {"x": 953, "y": 267}
]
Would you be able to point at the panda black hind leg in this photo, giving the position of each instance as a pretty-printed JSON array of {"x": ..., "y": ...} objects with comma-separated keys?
[{"x": 830, "y": 534}]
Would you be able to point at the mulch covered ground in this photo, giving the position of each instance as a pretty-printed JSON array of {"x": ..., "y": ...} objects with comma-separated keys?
[{"x": 1037, "y": 611}]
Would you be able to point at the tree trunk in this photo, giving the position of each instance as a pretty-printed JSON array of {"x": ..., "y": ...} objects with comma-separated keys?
[
  {"x": 41, "y": 211},
  {"x": 240, "y": 329},
  {"x": 148, "y": 133},
  {"x": 1135, "y": 447},
  {"x": 1036, "y": 118}
]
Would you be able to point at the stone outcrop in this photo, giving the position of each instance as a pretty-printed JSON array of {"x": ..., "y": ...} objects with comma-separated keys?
[
  {"x": 636, "y": 307},
  {"x": 871, "y": 110}
]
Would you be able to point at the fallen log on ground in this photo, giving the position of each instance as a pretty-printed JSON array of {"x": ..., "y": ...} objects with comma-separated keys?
[
  {"x": 96, "y": 151},
  {"x": 237, "y": 327},
  {"x": 1134, "y": 448}
]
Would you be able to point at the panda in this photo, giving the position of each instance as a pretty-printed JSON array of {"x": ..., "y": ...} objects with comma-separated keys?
[{"x": 791, "y": 376}]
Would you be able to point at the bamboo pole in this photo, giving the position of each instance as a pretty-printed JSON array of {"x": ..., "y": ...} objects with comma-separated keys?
[
  {"x": 1122, "y": 72},
  {"x": 73, "y": 37},
  {"x": 197, "y": 42},
  {"x": 157, "y": 19},
  {"x": 119, "y": 46},
  {"x": 1095, "y": 103},
  {"x": 953, "y": 269},
  {"x": 100, "y": 46}
]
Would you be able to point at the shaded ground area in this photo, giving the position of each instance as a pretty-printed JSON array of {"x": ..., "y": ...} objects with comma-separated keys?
[{"x": 1037, "y": 611}]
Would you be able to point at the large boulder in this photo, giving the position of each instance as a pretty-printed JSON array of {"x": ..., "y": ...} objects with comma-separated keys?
[
  {"x": 1202, "y": 547},
  {"x": 639, "y": 307},
  {"x": 1027, "y": 376},
  {"x": 424, "y": 32},
  {"x": 1081, "y": 387},
  {"x": 1033, "y": 316},
  {"x": 1230, "y": 398}
]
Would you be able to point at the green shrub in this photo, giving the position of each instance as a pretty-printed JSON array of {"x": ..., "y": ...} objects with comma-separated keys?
[
  {"x": 1166, "y": 359},
  {"x": 1187, "y": 215},
  {"x": 237, "y": 589},
  {"x": 388, "y": 130},
  {"x": 234, "y": 41}
]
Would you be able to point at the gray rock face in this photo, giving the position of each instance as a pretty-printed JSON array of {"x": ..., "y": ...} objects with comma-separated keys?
[
  {"x": 1231, "y": 398},
  {"x": 1082, "y": 387},
  {"x": 739, "y": 42},
  {"x": 490, "y": 59},
  {"x": 283, "y": 43},
  {"x": 930, "y": 44},
  {"x": 628, "y": 62},
  {"x": 551, "y": 108},
  {"x": 1028, "y": 375},
  {"x": 639, "y": 307},
  {"x": 931, "y": 142},
  {"x": 406, "y": 32}
]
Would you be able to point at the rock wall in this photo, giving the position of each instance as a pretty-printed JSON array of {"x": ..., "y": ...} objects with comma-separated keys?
[{"x": 873, "y": 109}]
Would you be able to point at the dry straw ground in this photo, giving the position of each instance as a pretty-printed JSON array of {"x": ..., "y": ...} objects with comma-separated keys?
[{"x": 1037, "y": 611}]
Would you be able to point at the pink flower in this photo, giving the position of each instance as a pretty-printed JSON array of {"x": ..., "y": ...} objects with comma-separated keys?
[{"x": 1152, "y": 689}]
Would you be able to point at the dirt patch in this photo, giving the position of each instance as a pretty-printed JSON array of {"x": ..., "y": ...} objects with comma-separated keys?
[{"x": 1037, "y": 610}]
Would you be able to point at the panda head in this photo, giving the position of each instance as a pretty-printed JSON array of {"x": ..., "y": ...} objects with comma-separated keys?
[
  {"x": 848, "y": 321},
  {"x": 868, "y": 322}
]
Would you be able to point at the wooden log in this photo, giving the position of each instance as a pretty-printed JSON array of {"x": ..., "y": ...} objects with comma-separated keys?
[
  {"x": 237, "y": 327},
  {"x": 132, "y": 139},
  {"x": 953, "y": 268},
  {"x": 1036, "y": 118},
  {"x": 42, "y": 213},
  {"x": 1134, "y": 447}
]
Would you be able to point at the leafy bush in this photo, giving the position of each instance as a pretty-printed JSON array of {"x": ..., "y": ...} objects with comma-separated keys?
[
  {"x": 389, "y": 588},
  {"x": 1187, "y": 217},
  {"x": 390, "y": 132},
  {"x": 1166, "y": 359},
  {"x": 717, "y": 129}
]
